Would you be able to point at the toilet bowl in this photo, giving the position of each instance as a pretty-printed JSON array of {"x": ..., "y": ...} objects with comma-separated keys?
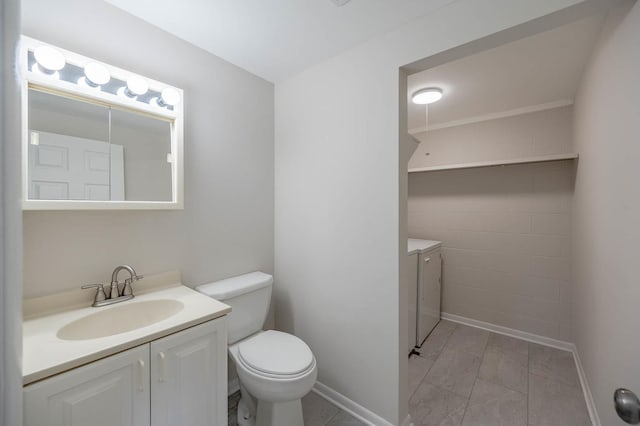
[{"x": 275, "y": 369}]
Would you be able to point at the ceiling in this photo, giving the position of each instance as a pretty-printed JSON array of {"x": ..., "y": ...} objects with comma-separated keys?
[
  {"x": 540, "y": 69},
  {"x": 277, "y": 38}
]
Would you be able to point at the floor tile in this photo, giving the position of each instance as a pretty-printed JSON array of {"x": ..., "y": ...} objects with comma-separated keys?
[
  {"x": 316, "y": 410},
  {"x": 495, "y": 405},
  {"x": 505, "y": 368},
  {"x": 468, "y": 339},
  {"x": 455, "y": 371},
  {"x": 418, "y": 368},
  {"x": 554, "y": 364},
  {"x": 445, "y": 325},
  {"x": 344, "y": 419},
  {"x": 233, "y": 400},
  {"x": 511, "y": 346},
  {"x": 553, "y": 403},
  {"x": 432, "y": 406},
  {"x": 232, "y": 404},
  {"x": 436, "y": 341}
]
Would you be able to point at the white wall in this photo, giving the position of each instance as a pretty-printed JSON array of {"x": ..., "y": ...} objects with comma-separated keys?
[
  {"x": 337, "y": 196},
  {"x": 526, "y": 135},
  {"x": 10, "y": 220},
  {"x": 506, "y": 242},
  {"x": 606, "y": 234},
  {"x": 226, "y": 227}
]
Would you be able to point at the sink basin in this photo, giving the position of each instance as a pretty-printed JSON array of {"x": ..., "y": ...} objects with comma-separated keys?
[{"x": 120, "y": 319}]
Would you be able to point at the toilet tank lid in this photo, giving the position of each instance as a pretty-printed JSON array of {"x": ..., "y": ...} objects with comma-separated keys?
[{"x": 234, "y": 286}]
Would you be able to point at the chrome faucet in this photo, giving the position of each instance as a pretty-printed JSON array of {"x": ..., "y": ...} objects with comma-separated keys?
[{"x": 115, "y": 294}]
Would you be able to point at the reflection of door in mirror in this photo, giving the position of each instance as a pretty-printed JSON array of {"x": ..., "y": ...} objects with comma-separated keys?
[
  {"x": 70, "y": 155},
  {"x": 63, "y": 167},
  {"x": 80, "y": 150}
]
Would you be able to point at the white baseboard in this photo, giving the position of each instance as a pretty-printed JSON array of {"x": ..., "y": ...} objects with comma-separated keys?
[
  {"x": 339, "y": 400},
  {"x": 356, "y": 410},
  {"x": 588, "y": 397},
  {"x": 233, "y": 386},
  {"x": 542, "y": 340},
  {"x": 523, "y": 335}
]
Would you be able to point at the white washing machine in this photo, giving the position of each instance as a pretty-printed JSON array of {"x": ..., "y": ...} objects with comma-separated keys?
[{"x": 425, "y": 287}]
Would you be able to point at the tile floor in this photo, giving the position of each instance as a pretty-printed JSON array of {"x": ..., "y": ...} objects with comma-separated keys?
[
  {"x": 467, "y": 376},
  {"x": 317, "y": 411}
]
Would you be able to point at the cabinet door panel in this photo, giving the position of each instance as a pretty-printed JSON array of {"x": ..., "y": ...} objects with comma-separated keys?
[
  {"x": 189, "y": 377},
  {"x": 112, "y": 391}
]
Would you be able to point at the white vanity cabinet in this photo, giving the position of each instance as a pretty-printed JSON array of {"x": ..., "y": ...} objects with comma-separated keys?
[
  {"x": 112, "y": 391},
  {"x": 189, "y": 377},
  {"x": 179, "y": 379}
]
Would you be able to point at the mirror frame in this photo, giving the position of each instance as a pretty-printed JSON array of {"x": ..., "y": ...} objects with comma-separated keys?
[{"x": 49, "y": 84}]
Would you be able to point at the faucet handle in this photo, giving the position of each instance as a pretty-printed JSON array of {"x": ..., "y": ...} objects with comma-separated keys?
[
  {"x": 127, "y": 290},
  {"x": 100, "y": 294}
]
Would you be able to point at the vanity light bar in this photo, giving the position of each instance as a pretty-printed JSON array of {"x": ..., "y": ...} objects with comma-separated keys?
[{"x": 85, "y": 74}]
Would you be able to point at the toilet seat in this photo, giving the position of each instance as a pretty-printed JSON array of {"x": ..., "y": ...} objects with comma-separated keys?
[{"x": 276, "y": 354}]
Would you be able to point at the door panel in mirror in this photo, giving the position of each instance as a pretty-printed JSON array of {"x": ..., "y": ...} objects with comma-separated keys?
[{"x": 69, "y": 149}]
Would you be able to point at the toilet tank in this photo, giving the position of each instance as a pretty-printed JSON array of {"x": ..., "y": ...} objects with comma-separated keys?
[{"x": 249, "y": 296}]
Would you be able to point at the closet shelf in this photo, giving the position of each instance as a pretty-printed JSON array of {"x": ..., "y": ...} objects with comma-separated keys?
[{"x": 525, "y": 160}]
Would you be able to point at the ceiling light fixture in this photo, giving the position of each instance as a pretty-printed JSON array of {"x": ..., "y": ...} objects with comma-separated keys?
[
  {"x": 427, "y": 96},
  {"x": 49, "y": 59}
]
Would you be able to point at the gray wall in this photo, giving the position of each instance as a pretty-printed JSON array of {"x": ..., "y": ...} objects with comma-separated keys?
[
  {"x": 10, "y": 220},
  {"x": 226, "y": 227},
  {"x": 606, "y": 233},
  {"x": 505, "y": 230},
  {"x": 506, "y": 242},
  {"x": 526, "y": 135}
]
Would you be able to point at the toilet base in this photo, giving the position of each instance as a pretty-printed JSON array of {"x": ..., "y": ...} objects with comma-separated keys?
[
  {"x": 253, "y": 412},
  {"x": 287, "y": 413}
]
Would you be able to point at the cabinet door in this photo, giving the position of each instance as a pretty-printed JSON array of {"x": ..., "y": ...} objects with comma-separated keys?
[
  {"x": 112, "y": 391},
  {"x": 189, "y": 377}
]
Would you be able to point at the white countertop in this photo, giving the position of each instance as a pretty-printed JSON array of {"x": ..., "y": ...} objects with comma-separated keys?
[
  {"x": 44, "y": 354},
  {"x": 415, "y": 245}
]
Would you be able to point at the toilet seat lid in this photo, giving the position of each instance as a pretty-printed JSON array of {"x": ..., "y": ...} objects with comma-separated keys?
[{"x": 275, "y": 352}]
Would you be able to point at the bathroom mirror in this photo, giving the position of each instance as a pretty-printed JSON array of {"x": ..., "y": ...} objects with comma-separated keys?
[{"x": 98, "y": 146}]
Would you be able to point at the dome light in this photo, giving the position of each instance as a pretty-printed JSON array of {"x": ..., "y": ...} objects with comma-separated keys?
[
  {"x": 49, "y": 59},
  {"x": 169, "y": 97},
  {"x": 96, "y": 74},
  {"x": 427, "y": 96}
]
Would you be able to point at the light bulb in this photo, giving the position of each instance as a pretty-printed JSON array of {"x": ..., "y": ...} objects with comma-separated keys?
[
  {"x": 136, "y": 86},
  {"x": 97, "y": 74},
  {"x": 49, "y": 59},
  {"x": 427, "y": 96},
  {"x": 169, "y": 97}
]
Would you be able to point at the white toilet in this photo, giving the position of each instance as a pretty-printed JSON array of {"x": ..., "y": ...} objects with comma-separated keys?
[{"x": 275, "y": 369}]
